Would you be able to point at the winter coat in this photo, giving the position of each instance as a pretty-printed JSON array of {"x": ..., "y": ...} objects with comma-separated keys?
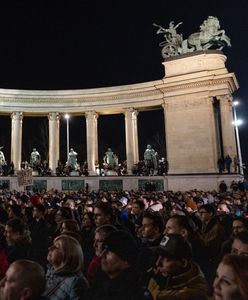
[{"x": 188, "y": 285}]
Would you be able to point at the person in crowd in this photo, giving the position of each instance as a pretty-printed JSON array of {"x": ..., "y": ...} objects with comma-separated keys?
[
  {"x": 94, "y": 271},
  {"x": 238, "y": 225},
  {"x": 176, "y": 276},
  {"x": 15, "y": 211},
  {"x": 151, "y": 235},
  {"x": 231, "y": 278},
  {"x": 222, "y": 187},
  {"x": 240, "y": 244},
  {"x": 223, "y": 213},
  {"x": 64, "y": 277},
  {"x": 62, "y": 213},
  {"x": 18, "y": 240},
  {"x": 24, "y": 280},
  {"x": 182, "y": 225},
  {"x": 212, "y": 233},
  {"x": 3, "y": 255},
  {"x": 88, "y": 232},
  {"x": 118, "y": 261},
  {"x": 39, "y": 235},
  {"x": 70, "y": 203},
  {"x": 103, "y": 213},
  {"x": 137, "y": 211}
]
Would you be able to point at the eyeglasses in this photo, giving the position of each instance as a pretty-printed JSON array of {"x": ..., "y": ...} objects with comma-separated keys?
[{"x": 202, "y": 212}]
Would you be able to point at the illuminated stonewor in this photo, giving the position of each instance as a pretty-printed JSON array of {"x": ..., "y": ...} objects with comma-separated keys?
[{"x": 193, "y": 86}]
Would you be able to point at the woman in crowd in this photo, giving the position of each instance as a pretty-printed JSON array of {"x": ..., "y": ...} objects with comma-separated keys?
[
  {"x": 231, "y": 278},
  {"x": 65, "y": 279}
]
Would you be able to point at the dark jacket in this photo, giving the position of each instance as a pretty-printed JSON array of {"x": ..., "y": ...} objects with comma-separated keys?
[{"x": 126, "y": 286}]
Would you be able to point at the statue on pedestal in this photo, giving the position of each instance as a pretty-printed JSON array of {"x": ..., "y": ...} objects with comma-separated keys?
[
  {"x": 72, "y": 160},
  {"x": 3, "y": 162},
  {"x": 209, "y": 36},
  {"x": 150, "y": 159},
  {"x": 110, "y": 160},
  {"x": 35, "y": 159}
]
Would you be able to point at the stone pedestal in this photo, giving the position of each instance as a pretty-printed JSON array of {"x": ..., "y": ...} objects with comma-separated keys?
[
  {"x": 111, "y": 173},
  {"x": 74, "y": 173}
]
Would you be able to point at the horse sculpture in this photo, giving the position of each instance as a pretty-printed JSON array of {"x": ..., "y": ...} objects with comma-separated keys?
[{"x": 209, "y": 36}]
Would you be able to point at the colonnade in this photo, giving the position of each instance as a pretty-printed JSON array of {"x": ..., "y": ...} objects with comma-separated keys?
[
  {"x": 172, "y": 130},
  {"x": 132, "y": 150}
]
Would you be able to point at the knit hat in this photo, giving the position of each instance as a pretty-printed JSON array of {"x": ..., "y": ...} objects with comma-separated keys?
[
  {"x": 123, "y": 244},
  {"x": 174, "y": 246}
]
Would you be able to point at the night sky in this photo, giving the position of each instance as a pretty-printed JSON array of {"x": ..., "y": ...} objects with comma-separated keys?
[{"x": 88, "y": 44}]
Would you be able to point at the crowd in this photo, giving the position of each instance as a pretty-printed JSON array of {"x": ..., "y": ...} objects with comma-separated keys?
[{"x": 124, "y": 245}]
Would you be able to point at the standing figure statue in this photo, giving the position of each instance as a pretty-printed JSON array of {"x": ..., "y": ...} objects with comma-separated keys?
[
  {"x": 110, "y": 160},
  {"x": 150, "y": 159},
  {"x": 34, "y": 159},
  {"x": 3, "y": 163},
  {"x": 72, "y": 160}
]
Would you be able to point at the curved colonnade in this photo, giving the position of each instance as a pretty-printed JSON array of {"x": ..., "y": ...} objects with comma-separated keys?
[{"x": 191, "y": 84}]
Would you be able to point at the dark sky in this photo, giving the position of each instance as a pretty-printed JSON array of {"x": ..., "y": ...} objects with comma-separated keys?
[{"x": 88, "y": 43}]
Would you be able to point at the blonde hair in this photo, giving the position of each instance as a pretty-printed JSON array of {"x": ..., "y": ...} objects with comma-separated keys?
[{"x": 73, "y": 258}]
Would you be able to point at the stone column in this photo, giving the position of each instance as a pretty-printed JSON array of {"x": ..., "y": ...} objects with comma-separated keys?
[
  {"x": 132, "y": 149},
  {"x": 92, "y": 140},
  {"x": 227, "y": 127},
  {"x": 53, "y": 141},
  {"x": 165, "y": 131},
  {"x": 135, "y": 136},
  {"x": 16, "y": 139}
]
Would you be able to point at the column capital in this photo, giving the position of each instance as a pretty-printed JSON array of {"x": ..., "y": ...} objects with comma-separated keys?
[
  {"x": 225, "y": 98},
  {"x": 54, "y": 116},
  {"x": 91, "y": 114},
  {"x": 130, "y": 112},
  {"x": 17, "y": 116}
]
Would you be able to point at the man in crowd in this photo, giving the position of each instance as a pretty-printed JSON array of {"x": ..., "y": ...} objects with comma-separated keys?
[
  {"x": 176, "y": 276},
  {"x": 118, "y": 261},
  {"x": 240, "y": 244},
  {"x": 179, "y": 224},
  {"x": 24, "y": 280}
]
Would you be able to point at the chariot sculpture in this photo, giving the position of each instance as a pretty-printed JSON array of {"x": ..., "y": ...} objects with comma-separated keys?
[{"x": 209, "y": 36}]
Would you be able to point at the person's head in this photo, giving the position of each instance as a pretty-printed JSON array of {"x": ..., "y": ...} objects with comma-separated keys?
[
  {"x": 14, "y": 229},
  {"x": 63, "y": 213},
  {"x": 100, "y": 234},
  {"x": 69, "y": 225},
  {"x": 152, "y": 225},
  {"x": 238, "y": 225},
  {"x": 231, "y": 278},
  {"x": 39, "y": 211},
  {"x": 70, "y": 204},
  {"x": 103, "y": 213},
  {"x": 15, "y": 211},
  {"x": 24, "y": 279},
  {"x": 175, "y": 255},
  {"x": 240, "y": 244},
  {"x": 88, "y": 219},
  {"x": 138, "y": 207},
  {"x": 120, "y": 253},
  {"x": 66, "y": 255},
  {"x": 223, "y": 209},
  {"x": 178, "y": 224},
  {"x": 206, "y": 213}
]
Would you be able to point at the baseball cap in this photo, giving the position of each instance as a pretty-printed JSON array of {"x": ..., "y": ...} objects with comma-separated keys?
[
  {"x": 174, "y": 246},
  {"x": 123, "y": 244}
]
